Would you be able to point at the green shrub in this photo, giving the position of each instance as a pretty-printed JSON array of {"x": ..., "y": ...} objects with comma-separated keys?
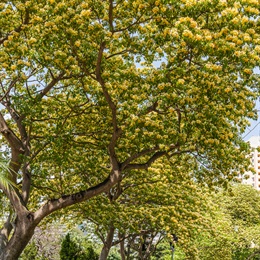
[{"x": 73, "y": 250}]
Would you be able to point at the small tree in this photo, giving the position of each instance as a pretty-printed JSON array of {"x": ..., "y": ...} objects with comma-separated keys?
[
  {"x": 71, "y": 250},
  {"x": 91, "y": 254}
]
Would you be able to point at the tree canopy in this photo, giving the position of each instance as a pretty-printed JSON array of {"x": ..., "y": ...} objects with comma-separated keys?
[
  {"x": 94, "y": 91},
  {"x": 236, "y": 230}
]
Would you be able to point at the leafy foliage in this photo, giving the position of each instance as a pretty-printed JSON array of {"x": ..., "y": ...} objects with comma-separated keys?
[
  {"x": 113, "y": 255},
  {"x": 236, "y": 230},
  {"x": 31, "y": 253}
]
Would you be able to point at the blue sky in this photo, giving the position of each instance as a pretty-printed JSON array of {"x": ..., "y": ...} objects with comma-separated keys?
[{"x": 254, "y": 129}]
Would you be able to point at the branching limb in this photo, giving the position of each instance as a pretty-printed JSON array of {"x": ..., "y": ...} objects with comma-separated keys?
[
  {"x": 14, "y": 142},
  {"x": 138, "y": 155},
  {"x": 154, "y": 157},
  {"x": 118, "y": 53},
  {"x": 116, "y": 130},
  {"x": 110, "y": 15},
  {"x": 11, "y": 85},
  {"x": 51, "y": 85},
  {"x": 145, "y": 166},
  {"x": 138, "y": 21}
]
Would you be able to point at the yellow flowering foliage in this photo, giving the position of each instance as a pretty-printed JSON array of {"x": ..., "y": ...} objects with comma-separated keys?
[
  {"x": 162, "y": 200},
  {"x": 96, "y": 90}
]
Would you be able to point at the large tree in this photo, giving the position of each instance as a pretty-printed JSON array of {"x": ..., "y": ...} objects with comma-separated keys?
[{"x": 93, "y": 90}]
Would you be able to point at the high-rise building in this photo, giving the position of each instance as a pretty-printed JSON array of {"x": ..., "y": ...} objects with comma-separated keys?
[{"x": 253, "y": 178}]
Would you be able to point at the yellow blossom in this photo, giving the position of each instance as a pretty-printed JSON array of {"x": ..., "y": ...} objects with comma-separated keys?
[
  {"x": 193, "y": 24},
  {"x": 257, "y": 48},
  {"x": 198, "y": 37},
  {"x": 244, "y": 19},
  {"x": 24, "y": 77},
  {"x": 180, "y": 81},
  {"x": 32, "y": 40},
  {"x": 247, "y": 37},
  {"x": 228, "y": 89},
  {"x": 10, "y": 37},
  {"x": 248, "y": 71},
  {"x": 85, "y": 13},
  {"x": 77, "y": 43},
  {"x": 48, "y": 24},
  {"x": 155, "y": 10},
  {"x": 208, "y": 37},
  {"x": 187, "y": 33}
]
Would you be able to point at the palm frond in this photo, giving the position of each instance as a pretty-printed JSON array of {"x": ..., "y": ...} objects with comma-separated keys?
[{"x": 5, "y": 175}]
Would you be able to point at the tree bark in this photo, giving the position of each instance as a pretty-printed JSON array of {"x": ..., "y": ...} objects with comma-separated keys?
[
  {"x": 107, "y": 244},
  {"x": 122, "y": 248},
  {"x": 5, "y": 232},
  {"x": 23, "y": 232}
]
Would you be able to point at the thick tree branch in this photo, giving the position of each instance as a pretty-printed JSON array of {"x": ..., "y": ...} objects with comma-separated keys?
[
  {"x": 17, "y": 150},
  {"x": 110, "y": 15},
  {"x": 122, "y": 246},
  {"x": 16, "y": 200},
  {"x": 107, "y": 243},
  {"x": 68, "y": 200},
  {"x": 51, "y": 85},
  {"x": 26, "y": 146},
  {"x": 15, "y": 144}
]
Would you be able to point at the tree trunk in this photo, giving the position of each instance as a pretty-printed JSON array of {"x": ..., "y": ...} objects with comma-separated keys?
[
  {"x": 122, "y": 247},
  {"x": 5, "y": 232},
  {"x": 107, "y": 244},
  {"x": 23, "y": 232}
]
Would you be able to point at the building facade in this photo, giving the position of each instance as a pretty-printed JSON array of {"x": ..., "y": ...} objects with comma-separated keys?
[{"x": 253, "y": 178}]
